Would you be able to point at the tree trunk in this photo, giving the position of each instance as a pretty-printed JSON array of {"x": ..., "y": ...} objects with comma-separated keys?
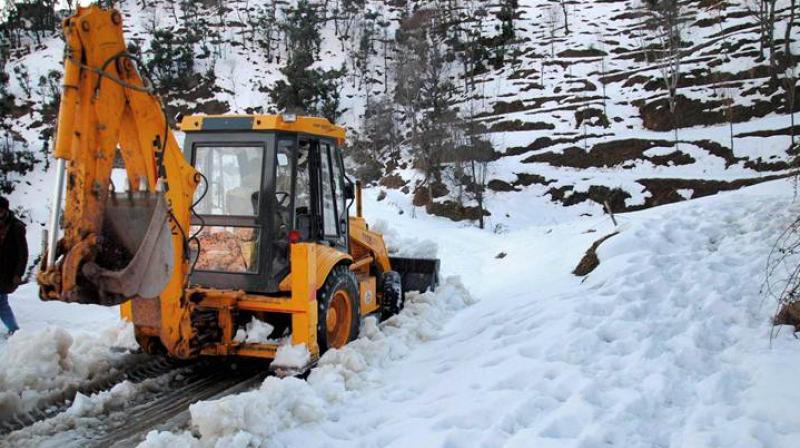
[
  {"x": 773, "y": 72},
  {"x": 788, "y": 56}
]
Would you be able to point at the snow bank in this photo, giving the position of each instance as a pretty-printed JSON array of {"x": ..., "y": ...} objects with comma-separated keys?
[
  {"x": 42, "y": 362},
  {"x": 248, "y": 419}
]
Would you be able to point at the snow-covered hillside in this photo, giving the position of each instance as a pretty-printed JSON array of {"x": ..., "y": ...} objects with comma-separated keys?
[{"x": 576, "y": 118}]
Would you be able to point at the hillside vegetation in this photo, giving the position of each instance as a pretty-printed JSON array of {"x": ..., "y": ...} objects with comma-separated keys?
[{"x": 474, "y": 109}]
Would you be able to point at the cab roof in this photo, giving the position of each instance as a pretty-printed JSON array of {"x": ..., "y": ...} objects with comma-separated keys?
[{"x": 298, "y": 124}]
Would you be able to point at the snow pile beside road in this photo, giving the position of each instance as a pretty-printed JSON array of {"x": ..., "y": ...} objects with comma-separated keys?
[
  {"x": 248, "y": 419},
  {"x": 666, "y": 344},
  {"x": 42, "y": 362}
]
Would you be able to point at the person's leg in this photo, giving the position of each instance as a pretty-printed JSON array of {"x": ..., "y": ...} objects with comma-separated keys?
[{"x": 6, "y": 315}]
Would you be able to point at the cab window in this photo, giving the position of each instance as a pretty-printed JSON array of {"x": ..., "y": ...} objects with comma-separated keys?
[
  {"x": 329, "y": 219},
  {"x": 234, "y": 179}
]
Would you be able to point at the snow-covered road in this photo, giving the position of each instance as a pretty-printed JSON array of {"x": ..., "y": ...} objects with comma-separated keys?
[{"x": 666, "y": 344}]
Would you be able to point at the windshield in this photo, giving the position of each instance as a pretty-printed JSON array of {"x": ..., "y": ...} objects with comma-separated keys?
[{"x": 234, "y": 178}]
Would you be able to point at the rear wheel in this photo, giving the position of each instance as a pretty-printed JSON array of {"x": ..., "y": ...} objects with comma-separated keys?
[{"x": 339, "y": 313}]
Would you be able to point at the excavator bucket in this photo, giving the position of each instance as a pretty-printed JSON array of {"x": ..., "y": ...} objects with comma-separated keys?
[
  {"x": 418, "y": 274},
  {"x": 135, "y": 257}
]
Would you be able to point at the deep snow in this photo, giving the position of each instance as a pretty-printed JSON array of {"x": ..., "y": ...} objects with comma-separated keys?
[
  {"x": 667, "y": 343},
  {"x": 59, "y": 346}
]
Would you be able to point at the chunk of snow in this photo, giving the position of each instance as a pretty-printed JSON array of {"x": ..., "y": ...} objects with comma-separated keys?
[
  {"x": 101, "y": 401},
  {"x": 292, "y": 356},
  {"x": 255, "y": 332},
  {"x": 404, "y": 246}
]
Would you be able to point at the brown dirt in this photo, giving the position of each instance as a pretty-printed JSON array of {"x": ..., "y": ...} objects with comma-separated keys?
[
  {"x": 392, "y": 181},
  {"x": 718, "y": 150},
  {"x": 421, "y": 197},
  {"x": 593, "y": 117},
  {"x": 596, "y": 193},
  {"x": 610, "y": 154},
  {"x": 581, "y": 53},
  {"x": 519, "y": 125},
  {"x": 762, "y": 165},
  {"x": 525, "y": 179},
  {"x": 438, "y": 190},
  {"x": 500, "y": 185},
  {"x": 789, "y": 314},
  {"x": 664, "y": 191},
  {"x": 632, "y": 15},
  {"x": 544, "y": 142},
  {"x": 657, "y": 117},
  {"x": 770, "y": 132},
  {"x": 703, "y": 77},
  {"x": 590, "y": 262},
  {"x": 454, "y": 211}
]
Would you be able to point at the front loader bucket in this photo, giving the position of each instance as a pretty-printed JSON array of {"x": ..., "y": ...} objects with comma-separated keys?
[
  {"x": 418, "y": 274},
  {"x": 135, "y": 254}
]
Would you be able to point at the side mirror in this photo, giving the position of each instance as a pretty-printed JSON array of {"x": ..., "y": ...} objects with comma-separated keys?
[{"x": 349, "y": 190}]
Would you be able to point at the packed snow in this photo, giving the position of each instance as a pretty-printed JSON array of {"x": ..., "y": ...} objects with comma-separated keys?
[
  {"x": 38, "y": 362},
  {"x": 251, "y": 418},
  {"x": 666, "y": 343},
  {"x": 88, "y": 415},
  {"x": 400, "y": 246}
]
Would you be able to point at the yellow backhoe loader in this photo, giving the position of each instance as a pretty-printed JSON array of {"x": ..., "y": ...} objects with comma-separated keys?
[{"x": 249, "y": 221}]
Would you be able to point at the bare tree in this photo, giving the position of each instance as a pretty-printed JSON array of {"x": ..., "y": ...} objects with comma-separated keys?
[
  {"x": 790, "y": 83},
  {"x": 552, "y": 16},
  {"x": 666, "y": 28},
  {"x": 790, "y": 72},
  {"x": 728, "y": 93},
  {"x": 764, "y": 13},
  {"x": 563, "y": 4},
  {"x": 601, "y": 41}
]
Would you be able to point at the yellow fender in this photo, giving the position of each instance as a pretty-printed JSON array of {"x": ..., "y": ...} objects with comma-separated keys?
[{"x": 326, "y": 258}]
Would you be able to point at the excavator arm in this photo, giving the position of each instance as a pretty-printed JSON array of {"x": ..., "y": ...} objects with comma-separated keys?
[{"x": 115, "y": 245}]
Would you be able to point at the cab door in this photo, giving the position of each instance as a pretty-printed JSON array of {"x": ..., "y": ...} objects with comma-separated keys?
[{"x": 331, "y": 193}]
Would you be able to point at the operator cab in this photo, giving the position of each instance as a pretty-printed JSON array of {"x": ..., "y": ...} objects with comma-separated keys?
[{"x": 267, "y": 181}]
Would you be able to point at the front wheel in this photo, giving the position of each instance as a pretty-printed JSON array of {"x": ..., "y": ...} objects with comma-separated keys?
[
  {"x": 393, "y": 297},
  {"x": 339, "y": 308}
]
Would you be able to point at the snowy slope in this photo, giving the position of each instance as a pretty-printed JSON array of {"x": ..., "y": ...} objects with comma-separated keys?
[
  {"x": 665, "y": 344},
  {"x": 533, "y": 104}
]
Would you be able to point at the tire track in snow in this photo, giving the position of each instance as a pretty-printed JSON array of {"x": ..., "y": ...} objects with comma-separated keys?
[{"x": 250, "y": 418}]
